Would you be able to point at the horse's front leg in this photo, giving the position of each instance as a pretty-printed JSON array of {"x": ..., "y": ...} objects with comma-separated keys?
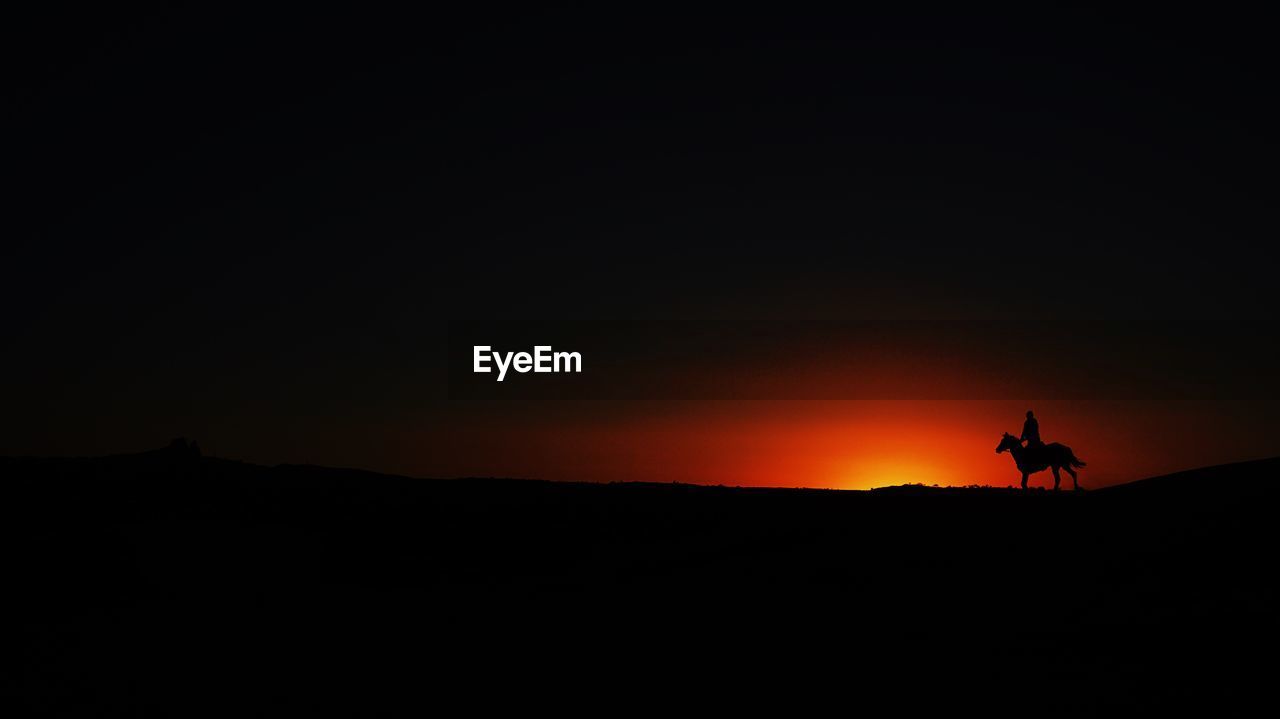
[
  {"x": 1024, "y": 480},
  {"x": 1057, "y": 478}
]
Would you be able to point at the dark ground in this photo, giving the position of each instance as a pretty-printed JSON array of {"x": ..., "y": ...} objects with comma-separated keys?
[{"x": 168, "y": 584}]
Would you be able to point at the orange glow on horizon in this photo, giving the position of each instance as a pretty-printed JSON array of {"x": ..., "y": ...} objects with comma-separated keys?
[{"x": 836, "y": 444}]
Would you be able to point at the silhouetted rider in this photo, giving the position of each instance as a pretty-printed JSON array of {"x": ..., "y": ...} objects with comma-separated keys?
[{"x": 1031, "y": 431}]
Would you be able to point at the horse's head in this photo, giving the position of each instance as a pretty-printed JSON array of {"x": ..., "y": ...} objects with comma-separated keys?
[{"x": 1008, "y": 442}]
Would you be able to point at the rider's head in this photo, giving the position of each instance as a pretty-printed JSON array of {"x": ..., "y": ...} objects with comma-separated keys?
[{"x": 1030, "y": 414}]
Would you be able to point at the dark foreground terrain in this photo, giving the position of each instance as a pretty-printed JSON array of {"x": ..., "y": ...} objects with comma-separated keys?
[{"x": 169, "y": 584}]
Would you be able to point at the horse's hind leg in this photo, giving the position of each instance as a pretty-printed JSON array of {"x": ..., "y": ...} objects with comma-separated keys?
[
  {"x": 1057, "y": 478},
  {"x": 1074, "y": 484}
]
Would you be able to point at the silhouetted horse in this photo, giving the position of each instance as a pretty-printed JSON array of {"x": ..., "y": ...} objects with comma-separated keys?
[{"x": 1037, "y": 459}]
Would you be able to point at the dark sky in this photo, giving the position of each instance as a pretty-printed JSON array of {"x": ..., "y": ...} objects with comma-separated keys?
[{"x": 253, "y": 228}]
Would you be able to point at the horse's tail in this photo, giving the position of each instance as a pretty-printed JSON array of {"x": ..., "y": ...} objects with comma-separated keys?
[{"x": 1075, "y": 461}]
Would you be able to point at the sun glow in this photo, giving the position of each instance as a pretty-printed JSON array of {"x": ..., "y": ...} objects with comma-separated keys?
[
  {"x": 889, "y": 472},
  {"x": 834, "y": 445}
]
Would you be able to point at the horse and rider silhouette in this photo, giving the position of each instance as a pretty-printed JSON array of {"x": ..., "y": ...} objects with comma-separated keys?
[{"x": 1037, "y": 456}]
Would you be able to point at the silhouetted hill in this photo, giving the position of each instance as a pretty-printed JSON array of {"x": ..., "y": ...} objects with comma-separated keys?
[
  {"x": 167, "y": 581},
  {"x": 1224, "y": 479}
]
